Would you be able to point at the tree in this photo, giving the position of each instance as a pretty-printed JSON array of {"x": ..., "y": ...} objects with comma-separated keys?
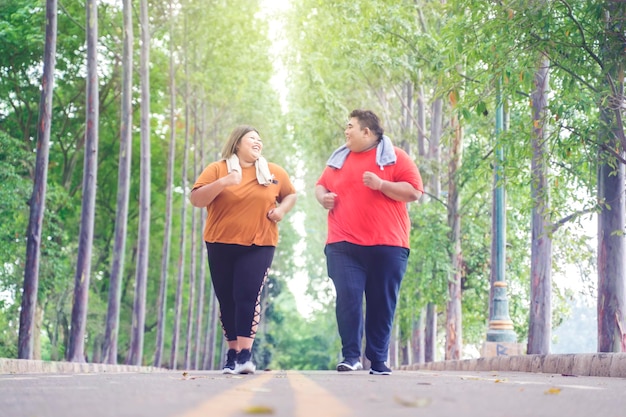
[
  {"x": 123, "y": 191},
  {"x": 454, "y": 323},
  {"x": 182, "y": 243},
  {"x": 192, "y": 261},
  {"x": 611, "y": 182},
  {"x": 139, "y": 306},
  {"x": 76, "y": 352},
  {"x": 540, "y": 320},
  {"x": 199, "y": 166},
  {"x": 38, "y": 198},
  {"x": 167, "y": 234}
]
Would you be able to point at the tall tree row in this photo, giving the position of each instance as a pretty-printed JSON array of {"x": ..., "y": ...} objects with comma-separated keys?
[
  {"x": 236, "y": 78},
  {"x": 476, "y": 29}
]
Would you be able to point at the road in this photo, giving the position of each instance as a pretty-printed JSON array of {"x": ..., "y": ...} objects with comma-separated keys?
[{"x": 311, "y": 393}]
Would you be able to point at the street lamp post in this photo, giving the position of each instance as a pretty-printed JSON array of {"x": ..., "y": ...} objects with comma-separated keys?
[{"x": 500, "y": 324}]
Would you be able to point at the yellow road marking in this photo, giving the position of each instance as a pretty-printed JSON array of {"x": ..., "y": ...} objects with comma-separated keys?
[
  {"x": 232, "y": 401},
  {"x": 312, "y": 400}
]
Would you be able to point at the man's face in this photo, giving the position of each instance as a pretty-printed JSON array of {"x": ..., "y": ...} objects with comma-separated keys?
[{"x": 357, "y": 139}]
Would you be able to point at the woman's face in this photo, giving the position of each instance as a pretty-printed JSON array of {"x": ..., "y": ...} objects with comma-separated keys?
[{"x": 250, "y": 147}]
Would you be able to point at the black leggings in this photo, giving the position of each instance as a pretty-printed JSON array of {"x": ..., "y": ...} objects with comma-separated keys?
[{"x": 238, "y": 274}]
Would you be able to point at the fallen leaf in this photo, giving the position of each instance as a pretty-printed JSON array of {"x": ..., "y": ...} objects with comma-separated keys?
[
  {"x": 553, "y": 391},
  {"x": 413, "y": 402},
  {"x": 259, "y": 409}
]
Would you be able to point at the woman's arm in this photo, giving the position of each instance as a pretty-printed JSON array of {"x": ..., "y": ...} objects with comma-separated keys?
[
  {"x": 288, "y": 202},
  {"x": 203, "y": 196}
]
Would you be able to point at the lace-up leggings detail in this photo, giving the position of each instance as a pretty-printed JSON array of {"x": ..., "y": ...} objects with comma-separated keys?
[{"x": 238, "y": 274}]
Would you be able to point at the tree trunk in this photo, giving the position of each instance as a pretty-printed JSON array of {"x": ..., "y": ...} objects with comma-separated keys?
[
  {"x": 143, "y": 239},
  {"x": 454, "y": 322},
  {"x": 418, "y": 337},
  {"x": 435, "y": 190},
  {"x": 167, "y": 232},
  {"x": 109, "y": 350},
  {"x": 434, "y": 149},
  {"x": 76, "y": 351},
  {"x": 38, "y": 197},
  {"x": 199, "y": 253},
  {"x": 208, "y": 362},
  {"x": 611, "y": 254},
  {"x": 37, "y": 333},
  {"x": 430, "y": 345},
  {"x": 421, "y": 122},
  {"x": 96, "y": 355},
  {"x": 201, "y": 346},
  {"x": 540, "y": 321},
  {"x": 611, "y": 219},
  {"x": 181, "y": 253},
  {"x": 192, "y": 266}
]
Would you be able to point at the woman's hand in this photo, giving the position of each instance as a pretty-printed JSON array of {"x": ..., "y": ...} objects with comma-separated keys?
[
  {"x": 233, "y": 178},
  {"x": 276, "y": 214}
]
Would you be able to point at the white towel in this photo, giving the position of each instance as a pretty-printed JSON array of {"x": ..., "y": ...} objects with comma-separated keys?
[{"x": 263, "y": 174}]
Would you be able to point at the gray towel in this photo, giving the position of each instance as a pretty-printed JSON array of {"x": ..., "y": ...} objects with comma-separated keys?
[
  {"x": 263, "y": 174},
  {"x": 385, "y": 155}
]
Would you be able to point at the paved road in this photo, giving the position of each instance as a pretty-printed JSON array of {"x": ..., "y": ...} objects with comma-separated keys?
[{"x": 313, "y": 393}]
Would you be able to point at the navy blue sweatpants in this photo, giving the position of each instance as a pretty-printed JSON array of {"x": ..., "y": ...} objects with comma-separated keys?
[{"x": 377, "y": 272}]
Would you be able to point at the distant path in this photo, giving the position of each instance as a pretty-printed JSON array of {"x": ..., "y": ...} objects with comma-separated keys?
[{"x": 311, "y": 394}]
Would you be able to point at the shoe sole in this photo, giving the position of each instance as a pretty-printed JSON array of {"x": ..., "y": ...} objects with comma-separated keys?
[
  {"x": 374, "y": 372},
  {"x": 342, "y": 367},
  {"x": 245, "y": 368},
  {"x": 228, "y": 371}
]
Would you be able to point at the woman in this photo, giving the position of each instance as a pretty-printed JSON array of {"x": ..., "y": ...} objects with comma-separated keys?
[{"x": 245, "y": 197}]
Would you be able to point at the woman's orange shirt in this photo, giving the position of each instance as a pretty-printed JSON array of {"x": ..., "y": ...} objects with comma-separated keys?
[{"x": 238, "y": 215}]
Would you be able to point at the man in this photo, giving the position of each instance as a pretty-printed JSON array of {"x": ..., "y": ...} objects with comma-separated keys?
[{"x": 366, "y": 186}]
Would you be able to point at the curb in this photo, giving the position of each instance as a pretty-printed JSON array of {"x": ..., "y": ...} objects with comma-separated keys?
[
  {"x": 585, "y": 364},
  {"x": 28, "y": 366},
  {"x": 590, "y": 364}
]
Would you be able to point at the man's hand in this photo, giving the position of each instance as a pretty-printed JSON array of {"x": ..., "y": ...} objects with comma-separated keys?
[{"x": 372, "y": 181}]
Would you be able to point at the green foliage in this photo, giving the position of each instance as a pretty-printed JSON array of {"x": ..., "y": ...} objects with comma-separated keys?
[{"x": 299, "y": 343}]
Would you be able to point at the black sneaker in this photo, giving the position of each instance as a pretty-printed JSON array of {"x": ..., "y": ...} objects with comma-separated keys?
[
  {"x": 349, "y": 365},
  {"x": 229, "y": 366},
  {"x": 379, "y": 368},
  {"x": 244, "y": 363}
]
